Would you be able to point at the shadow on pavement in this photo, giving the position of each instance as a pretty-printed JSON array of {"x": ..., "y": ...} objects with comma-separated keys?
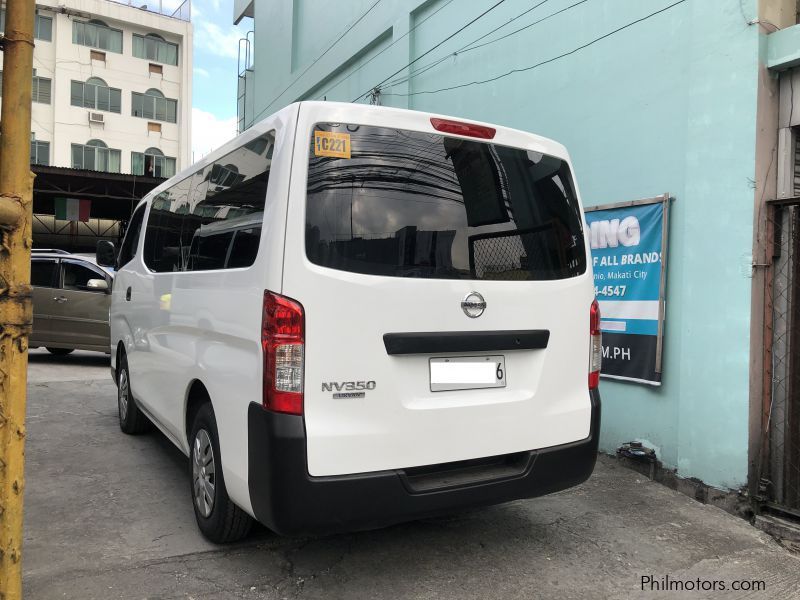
[{"x": 76, "y": 359}]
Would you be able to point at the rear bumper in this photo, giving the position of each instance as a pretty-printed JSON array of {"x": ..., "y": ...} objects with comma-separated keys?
[{"x": 288, "y": 500}]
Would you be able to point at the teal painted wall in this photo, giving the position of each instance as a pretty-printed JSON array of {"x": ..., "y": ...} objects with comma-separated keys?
[{"x": 666, "y": 105}]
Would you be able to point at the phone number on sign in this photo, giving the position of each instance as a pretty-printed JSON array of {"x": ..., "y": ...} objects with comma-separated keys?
[{"x": 610, "y": 290}]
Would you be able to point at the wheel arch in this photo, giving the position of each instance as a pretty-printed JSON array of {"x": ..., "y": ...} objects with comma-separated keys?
[
  {"x": 196, "y": 396},
  {"x": 117, "y": 356}
]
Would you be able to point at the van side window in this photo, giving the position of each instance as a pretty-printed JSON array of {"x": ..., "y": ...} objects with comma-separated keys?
[
  {"x": 224, "y": 220},
  {"x": 128, "y": 248},
  {"x": 209, "y": 251},
  {"x": 245, "y": 247},
  {"x": 165, "y": 247},
  {"x": 193, "y": 223}
]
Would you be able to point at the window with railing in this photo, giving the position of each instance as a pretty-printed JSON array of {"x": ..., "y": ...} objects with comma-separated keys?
[
  {"x": 153, "y": 105},
  {"x": 152, "y": 163},
  {"x": 154, "y": 47},
  {"x": 40, "y": 153},
  {"x": 94, "y": 93},
  {"x": 97, "y": 34},
  {"x": 95, "y": 155}
]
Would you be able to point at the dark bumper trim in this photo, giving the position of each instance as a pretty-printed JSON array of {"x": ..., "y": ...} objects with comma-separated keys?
[
  {"x": 289, "y": 501},
  {"x": 465, "y": 341}
]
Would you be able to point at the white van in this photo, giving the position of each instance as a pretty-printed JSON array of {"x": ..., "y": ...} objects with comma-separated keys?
[{"x": 351, "y": 316}]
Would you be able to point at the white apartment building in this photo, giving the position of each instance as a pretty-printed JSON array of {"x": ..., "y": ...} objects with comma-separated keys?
[{"x": 112, "y": 86}]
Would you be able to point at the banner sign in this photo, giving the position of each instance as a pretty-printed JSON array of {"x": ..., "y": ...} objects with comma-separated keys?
[{"x": 629, "y": 250}]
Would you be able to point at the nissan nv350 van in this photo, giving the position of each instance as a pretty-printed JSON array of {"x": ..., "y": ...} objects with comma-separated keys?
[{"x": 351, "y": 316}]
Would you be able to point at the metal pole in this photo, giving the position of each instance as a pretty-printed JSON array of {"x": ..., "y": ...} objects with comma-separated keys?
[{"x": 16, "y": 191}]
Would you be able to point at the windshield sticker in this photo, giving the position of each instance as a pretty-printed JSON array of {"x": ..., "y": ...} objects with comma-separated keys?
[{"x": 329, "y": 143}]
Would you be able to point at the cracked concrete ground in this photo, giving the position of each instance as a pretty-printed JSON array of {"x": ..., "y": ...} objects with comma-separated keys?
[{"x": 109, "y": 516}]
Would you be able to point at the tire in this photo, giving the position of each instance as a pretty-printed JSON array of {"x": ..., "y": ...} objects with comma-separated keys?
[
  {"x": 218, "y": 518},
  {"x": 60, "y": 351},
  {"x": 131, "y": 420}
]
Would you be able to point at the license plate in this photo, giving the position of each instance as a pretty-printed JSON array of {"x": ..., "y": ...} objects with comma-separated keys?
[{"x": 467, "y": 373}]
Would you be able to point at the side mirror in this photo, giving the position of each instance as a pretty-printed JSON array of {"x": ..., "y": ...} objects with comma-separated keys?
[
  {"x": 106, "y": 254},
  {"x": 97, "y": 285}
]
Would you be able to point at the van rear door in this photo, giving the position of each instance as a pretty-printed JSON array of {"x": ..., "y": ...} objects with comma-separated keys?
[{"x": 446, "y": 291}]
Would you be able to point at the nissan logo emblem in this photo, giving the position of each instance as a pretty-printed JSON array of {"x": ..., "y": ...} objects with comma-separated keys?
[{"x": 473, "y": 305}]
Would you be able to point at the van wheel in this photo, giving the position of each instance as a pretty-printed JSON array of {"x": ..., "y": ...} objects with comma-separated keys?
[
  {"x": 60, "y": 351},
  {"x": 131, "y": 419},
  {"x": 218, "y": 518}
]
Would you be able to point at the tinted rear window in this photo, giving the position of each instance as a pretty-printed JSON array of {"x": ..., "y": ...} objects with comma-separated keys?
[{"x": 411, "y": 204}]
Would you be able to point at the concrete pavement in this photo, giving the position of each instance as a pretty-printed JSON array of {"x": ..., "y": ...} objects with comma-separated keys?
[{"x": 109, "y": 516}]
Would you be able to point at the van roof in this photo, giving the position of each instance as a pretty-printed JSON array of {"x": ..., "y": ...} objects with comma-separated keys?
[{"x": 370, "y": 115}]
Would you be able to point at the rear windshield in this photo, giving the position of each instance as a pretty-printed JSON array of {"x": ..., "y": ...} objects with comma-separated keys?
[{"x": 399, "y": 203}]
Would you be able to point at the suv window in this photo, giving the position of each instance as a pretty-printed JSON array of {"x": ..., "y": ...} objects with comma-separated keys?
[
  {"x": 411, "y": 204},
  {"x": 43, "y": 273},
  {"x": 128, "y": 248},
  {"x": 76, "y": 276}
]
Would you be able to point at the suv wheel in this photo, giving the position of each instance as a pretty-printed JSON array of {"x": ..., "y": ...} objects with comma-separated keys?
[
  {"x": 218, "y": 518},
  {"x": 131, "y": 419}
]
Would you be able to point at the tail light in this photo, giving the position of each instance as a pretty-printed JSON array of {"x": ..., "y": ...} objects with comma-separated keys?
[
  {"x": 596, "y": 346},
  {"x": 283, "y": 342}
]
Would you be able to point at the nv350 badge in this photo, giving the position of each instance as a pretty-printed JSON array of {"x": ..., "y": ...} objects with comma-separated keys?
[{"x": 348, "y": 389}]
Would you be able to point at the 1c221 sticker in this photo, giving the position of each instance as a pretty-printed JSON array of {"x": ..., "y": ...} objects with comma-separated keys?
[{"x": 329, "y": 143}]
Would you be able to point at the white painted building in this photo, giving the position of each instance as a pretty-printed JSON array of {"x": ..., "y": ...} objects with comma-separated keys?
[{"x": 112, "y": 86}]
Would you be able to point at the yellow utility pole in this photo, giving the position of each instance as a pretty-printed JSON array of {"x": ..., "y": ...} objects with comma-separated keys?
[{"x": 16, "y": 314}]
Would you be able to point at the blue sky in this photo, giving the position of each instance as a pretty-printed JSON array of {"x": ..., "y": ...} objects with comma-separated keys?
[{"x": 216, "y": 44}]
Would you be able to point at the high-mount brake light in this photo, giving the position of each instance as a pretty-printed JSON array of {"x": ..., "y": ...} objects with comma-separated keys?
[
  {"x": 459, "y": 128},
  {"x": 283, "y": 343},
  {"x": 595, "y": 345}
]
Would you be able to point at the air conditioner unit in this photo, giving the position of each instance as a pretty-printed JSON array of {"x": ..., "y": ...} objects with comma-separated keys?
[{"x": 96, "y": 117}]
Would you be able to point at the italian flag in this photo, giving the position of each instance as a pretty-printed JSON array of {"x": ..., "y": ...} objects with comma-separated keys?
[{"x": 72, "y": 209}]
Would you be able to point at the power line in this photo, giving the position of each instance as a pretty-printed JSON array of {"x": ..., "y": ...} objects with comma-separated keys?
[
  {"x": 519, "y": 16},
  {"x": 466, "y": 48},
  {"x": 544, "y": 62},
  {"x": 469, "y": 47},
  {"x": 516, "y": 31},
  {"x": 316, "y": 60},
  {"x": 424, "y": 54},
  {"x": 354, "y": 71}
]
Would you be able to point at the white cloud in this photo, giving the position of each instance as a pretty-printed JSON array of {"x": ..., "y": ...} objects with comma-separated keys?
[
  {"x": 201, "y": 71},
  {"x": 210, "y": 132},
  {"x": 216, "y": 40}
]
